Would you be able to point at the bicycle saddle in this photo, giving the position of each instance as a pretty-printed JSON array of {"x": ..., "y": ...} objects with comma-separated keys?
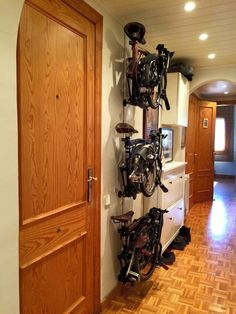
[
  {"x": 123, "y": 218},
  {"x": 138, "y": 141},
  {"x": 125, "y": 128},
  {"x": 135, "y": 31}
]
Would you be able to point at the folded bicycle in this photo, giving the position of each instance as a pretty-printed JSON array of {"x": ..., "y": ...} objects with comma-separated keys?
[{"x": 141, "y": 250}]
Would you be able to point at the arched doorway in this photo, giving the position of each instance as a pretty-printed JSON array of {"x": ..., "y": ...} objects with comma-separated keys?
[{"x": 222, "y": 92}]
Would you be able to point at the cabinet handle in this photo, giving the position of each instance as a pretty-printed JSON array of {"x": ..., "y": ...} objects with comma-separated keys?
[
  {"x": 170, "y": 218},
  {"x": 180, "y": 208},
  {"x": 170, "y": 182},
  {"x": 181, "y": 177}
]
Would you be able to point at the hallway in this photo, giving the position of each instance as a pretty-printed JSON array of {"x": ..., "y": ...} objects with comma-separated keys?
[{"x": 203, "y": 278}]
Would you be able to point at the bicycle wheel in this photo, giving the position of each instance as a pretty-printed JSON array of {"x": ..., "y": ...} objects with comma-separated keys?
[
  {"x": 145, "y": 257},
  {"x": 149, "y": 180},
  {"x": 155, "y": 84}
]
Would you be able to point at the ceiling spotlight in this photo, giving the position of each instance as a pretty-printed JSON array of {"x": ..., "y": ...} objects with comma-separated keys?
[
  {"x": 212, "y": 56},
  {"x": 226, "y": 93},
  {"x": 203, "y": 36},
  {"x": 189, "y": 6}
]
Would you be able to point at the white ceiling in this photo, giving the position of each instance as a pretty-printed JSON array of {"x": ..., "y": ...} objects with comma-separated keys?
[{"x": 167, "y": 22}]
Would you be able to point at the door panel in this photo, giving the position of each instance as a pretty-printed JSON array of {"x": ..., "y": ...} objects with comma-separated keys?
[
  {"x": 52, "y": 117},
  {"x": 48, "y": 235},
  {"x": 203, "y": 188},
  {"x": 56, "y": 282},
  {"x": 56, "y": 105}
]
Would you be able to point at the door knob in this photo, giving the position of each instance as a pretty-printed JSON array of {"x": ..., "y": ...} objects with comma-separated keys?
[{"x": 92, "y": 179}]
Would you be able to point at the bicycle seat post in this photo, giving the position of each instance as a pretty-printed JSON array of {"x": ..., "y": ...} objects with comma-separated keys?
[{"x": 127, "y": 146}]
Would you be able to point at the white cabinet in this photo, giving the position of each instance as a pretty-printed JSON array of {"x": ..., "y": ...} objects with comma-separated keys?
[
  {"x": 178, "y": 95},
  {"x": 173, "y": 221},
  {"x": 175, "y": 185},
  {"x": 173, "y": 201}
]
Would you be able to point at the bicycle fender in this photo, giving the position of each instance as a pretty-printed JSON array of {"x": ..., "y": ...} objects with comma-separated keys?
[{"x": 145, "y": 150}]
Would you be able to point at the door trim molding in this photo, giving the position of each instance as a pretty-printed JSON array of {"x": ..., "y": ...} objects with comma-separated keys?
[
  {"x": 87, "y": 11},
  {"x": 97, "y": 19}
]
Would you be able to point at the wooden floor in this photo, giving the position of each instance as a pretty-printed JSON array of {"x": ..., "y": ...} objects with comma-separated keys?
[{"x": 203, "y": 278}]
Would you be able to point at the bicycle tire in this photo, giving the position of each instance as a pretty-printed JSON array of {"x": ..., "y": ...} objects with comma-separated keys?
[
  {"x": 148, "y": 191},
  {"x": 145, "y": 265}
]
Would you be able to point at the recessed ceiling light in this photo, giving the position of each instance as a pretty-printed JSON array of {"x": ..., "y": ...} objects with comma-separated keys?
[
  {"x": 189, "y": 6},
  {"x": 226, "y": 93},
  {"x": 223, "y": 86},
  {"x": 212, "y": 56},
  {"x": 203, "y": 36}
]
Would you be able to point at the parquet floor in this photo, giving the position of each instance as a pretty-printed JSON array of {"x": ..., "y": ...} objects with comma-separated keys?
[{"x": 203, "y": 278}]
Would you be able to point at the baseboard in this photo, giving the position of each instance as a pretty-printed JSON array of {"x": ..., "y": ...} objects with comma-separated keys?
[
  {"x": 110, "y": 297},
  {"x": 224, "y": 176}
]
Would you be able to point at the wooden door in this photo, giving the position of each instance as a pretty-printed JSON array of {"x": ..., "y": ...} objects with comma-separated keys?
[
  {"x": 190, "y": 152},
  {"x": 59, "y": 138},
  {"x": 204, "y": 157}
]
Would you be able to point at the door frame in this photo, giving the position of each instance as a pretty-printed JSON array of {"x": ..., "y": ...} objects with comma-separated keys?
[{"x": 93, "y": 16}]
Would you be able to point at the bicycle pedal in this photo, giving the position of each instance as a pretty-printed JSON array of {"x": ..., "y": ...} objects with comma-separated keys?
[
  {"x": 163, "y": 187},
  {"x": 134, "y": 275},
  {"x": 164, "y": 265}
]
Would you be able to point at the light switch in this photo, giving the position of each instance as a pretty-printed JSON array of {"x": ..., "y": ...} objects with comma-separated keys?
[{"x": 107, "y": 200}]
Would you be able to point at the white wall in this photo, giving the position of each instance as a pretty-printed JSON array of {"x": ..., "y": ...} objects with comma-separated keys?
[
  {"x": 9, "y": 17},
  {"x": 112, "y": 113},
  {"x": 113, "y": 87},
  {"x": 204, "y": 75}
]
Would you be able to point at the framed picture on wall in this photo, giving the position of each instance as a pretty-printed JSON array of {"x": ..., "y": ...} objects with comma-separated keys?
[
  {"x": 150, "y": 121},
  {"x": 168, "y": 144}
]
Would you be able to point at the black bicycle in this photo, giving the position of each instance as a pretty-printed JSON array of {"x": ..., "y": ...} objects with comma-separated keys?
[
  {"x": 142, "y": 250},
  {"x": 146, "y": 72},
  {"x": 142, "y": 167}
]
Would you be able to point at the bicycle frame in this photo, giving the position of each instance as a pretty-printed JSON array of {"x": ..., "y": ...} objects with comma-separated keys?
[
  {"x": 130, "y": 188},
  {"x": 139, "y": 153},
  {"x": 133, "y": 241}
]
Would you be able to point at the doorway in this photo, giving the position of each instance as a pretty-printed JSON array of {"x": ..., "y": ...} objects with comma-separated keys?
[
  {"x": 59, "y": 86},
  {"x": 223, "y": 149}
]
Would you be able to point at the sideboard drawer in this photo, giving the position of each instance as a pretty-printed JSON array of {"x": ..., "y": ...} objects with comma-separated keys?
[
  {"x": 173, "y": 221},
  {"x": 175, "y": 186}
]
